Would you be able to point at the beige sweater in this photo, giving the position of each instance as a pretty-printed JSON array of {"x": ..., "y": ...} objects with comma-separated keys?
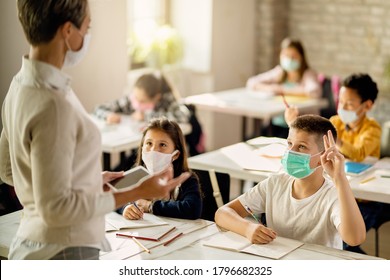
[{"x": 50, "y": 151}]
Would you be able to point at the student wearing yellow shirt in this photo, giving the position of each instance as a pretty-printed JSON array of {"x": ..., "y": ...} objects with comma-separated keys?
[{"x": 358, "y": 135}]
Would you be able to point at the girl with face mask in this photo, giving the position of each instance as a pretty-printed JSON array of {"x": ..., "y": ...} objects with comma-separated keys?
[
  {"x": 292, "y": 76},
  {"x": 163, "y": 145},
  {"x": 151, "y": 97}
]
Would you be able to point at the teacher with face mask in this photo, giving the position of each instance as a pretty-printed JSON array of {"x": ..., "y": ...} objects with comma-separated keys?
[{"x": 50, "y": 149}]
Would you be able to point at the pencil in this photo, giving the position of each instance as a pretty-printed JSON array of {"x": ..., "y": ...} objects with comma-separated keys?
[
  {"x": 252, "y": 214},
  {"x": 136, "y": 206},
  {"x": 142, "y": 246},
  {"x": 173, "y": 239},
  {"x": 165, "y": 234},
  {"x": 367, "y": 179},
  {"x": 137, "y": 237},
  {"x": 284, "y": 100}
]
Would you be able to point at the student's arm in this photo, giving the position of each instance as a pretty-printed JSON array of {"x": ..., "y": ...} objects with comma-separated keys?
[
  {"x": 267, "y": 81},
  {"x": 231, "y": 216},
  {"x": 290, "y": 114},
  {"x": 187, "y": 206},
  {"x": 119, "y": 106},
  {"x": 352, "y": 228}
]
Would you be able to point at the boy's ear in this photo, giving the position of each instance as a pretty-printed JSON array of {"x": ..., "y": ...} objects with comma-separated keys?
[{"x": 368, "y": 104}]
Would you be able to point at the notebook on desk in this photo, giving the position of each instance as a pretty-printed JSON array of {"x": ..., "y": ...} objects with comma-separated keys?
[
  {"x": 115, "y": 221},
  {"x": 357, "y": 168},
  {"x": 276, "y": 249}
]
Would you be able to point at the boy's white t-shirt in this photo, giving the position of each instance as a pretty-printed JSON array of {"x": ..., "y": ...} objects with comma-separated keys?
[{"x": 314, "y": 219}]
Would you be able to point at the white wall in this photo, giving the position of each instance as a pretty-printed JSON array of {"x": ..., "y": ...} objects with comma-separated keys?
[
  {"x": 219, "y": 45},
  {"x": 101, "y": 76},
  {"x": 13, "y": 46}
]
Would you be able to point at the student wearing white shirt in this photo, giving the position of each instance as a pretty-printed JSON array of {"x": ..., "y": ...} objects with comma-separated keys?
[
  {"x": 50, "y": 149},
  {"x": 301, "y": 204}
]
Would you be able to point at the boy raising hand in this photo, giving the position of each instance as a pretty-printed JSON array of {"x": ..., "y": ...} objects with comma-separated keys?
[{"x": 301, "y": 203}]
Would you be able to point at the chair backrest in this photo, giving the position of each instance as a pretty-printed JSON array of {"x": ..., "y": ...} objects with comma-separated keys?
[
  {"x": 385, "y": 140},
  {"x": 196, "y": 138},
  {"x": 330, "y": 91},
  {"x": 209, "y": 201}
]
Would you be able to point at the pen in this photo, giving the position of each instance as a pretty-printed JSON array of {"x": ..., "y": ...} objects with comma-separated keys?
[
  {"x": 250, "y": 212},
  {"x": 173, "y": 239},
  {"x": 142, "y": 246},
  {"x": 367, "y": 179},
  {"x": 165, "y": 234},
  {"x": 137, "y": 237},
  {"x": 136, "y": 206},
  {"x": 284, "y": 100}
]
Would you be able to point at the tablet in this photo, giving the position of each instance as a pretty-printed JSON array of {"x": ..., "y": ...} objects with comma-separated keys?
[{"x": 130, "y": 178}]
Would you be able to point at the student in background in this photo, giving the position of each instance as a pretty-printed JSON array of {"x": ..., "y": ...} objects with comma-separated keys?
[
  {"x": 293, "y": 76},
  {"x": 151, "y": 97},
  {"x": 358, "y": 135},
  {"x": 163, "y": 144},
  {"x": 301, "y": 204},
  {"x": 50, "y": 149}
]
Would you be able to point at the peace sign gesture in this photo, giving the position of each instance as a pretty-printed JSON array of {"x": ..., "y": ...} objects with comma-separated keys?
[{"x": 332, "y": 160}]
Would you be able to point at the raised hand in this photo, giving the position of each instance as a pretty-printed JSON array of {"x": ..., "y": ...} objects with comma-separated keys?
[{"x": 332, "y": 160}]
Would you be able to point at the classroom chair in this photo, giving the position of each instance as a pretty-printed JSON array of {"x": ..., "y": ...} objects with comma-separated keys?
[
  {"x": 383, "y": 218},
  {"x": 330, "y": 91},
  {"x": 215, "y": 187}
]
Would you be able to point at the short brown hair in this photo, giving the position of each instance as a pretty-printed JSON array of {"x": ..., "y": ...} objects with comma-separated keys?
[
  {"x": 41, "y": 19},
  {"x": 314, "y": 124}
]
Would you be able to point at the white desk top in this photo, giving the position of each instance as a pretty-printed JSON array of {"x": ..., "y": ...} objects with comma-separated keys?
[
  {"x": 188, "y": 246},
  {"x": 126, "y": 135},
  {"x": 243, "y": 102},
  {"x": 220, "y": 162}
]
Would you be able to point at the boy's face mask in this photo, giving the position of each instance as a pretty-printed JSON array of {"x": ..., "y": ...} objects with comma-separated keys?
[{"x": 298, "y": 164}]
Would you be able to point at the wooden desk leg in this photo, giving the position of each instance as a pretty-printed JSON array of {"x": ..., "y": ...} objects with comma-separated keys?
[{"x": 106, "y": 161}]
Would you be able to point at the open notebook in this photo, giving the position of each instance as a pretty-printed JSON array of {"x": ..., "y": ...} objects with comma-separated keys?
[
  {"x": 115, "y": 221},
  {"x": 276, "y": 249}
]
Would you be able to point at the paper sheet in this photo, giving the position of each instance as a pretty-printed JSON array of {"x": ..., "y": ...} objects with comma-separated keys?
[{"x": 115, "y": 221}]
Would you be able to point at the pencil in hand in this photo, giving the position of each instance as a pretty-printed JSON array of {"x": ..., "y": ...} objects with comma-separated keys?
[
  {"x": 252, "y": 214},
  {"x": 285, "y": 101}
]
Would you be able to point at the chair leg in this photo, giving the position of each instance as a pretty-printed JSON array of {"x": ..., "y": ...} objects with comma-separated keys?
[{"x": 377, "y": 242}]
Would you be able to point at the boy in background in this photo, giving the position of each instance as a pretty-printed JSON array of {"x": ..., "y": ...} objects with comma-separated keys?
[{"x": 301, "y": 204}]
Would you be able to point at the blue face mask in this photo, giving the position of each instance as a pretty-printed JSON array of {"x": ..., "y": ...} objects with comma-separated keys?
[
  {"x": 298, "y": 164},
  {"x": 289, "y": 64}
]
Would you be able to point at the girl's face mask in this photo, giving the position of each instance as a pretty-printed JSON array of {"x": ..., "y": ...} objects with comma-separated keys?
[
  {"x": 156, "y": 161},
  {"x": 298, "y": 164},
  {"x": 289, "y": 64},
  {"x": 142, "y": 107}
]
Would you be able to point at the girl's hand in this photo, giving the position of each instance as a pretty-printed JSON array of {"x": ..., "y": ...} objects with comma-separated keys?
[
  {"x": 113, "y": 118},
  {"x": 132, "y": 212}
]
